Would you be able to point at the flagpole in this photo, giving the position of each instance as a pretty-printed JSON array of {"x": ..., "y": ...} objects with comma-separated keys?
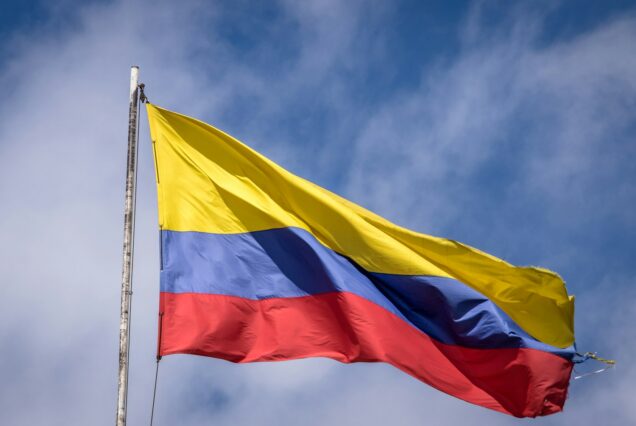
[{"x": 129, "y": 226}]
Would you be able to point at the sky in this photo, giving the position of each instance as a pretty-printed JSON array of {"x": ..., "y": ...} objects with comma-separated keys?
[{"x": 509, "y": 126}]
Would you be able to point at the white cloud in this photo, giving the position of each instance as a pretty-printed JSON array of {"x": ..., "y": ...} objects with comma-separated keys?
[{"x": 62, "y": 147}]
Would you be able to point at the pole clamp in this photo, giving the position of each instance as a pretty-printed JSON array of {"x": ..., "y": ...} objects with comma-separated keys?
[{"x": 142, "y": 96}]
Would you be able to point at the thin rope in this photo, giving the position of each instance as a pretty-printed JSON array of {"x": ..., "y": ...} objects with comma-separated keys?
[
  {"x": 592, "y": 355},
  {"x": 143, "y": 99},
  {"x": 154, "y": 393},
  {"x": 593, "y": 372}
]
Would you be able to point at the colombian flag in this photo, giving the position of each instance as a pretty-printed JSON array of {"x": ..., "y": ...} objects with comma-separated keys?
[{"x": 258, "y": 264}]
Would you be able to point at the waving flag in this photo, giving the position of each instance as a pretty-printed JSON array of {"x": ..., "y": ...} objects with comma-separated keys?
[{"x": 258, "y": 264}]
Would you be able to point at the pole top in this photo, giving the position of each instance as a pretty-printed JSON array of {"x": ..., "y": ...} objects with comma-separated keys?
[{"x": 134, "y": 79}]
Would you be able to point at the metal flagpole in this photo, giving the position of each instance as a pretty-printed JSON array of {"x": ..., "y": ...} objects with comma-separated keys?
[{"x": 129, "y": 226}]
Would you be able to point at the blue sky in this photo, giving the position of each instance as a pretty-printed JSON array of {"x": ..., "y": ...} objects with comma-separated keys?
[{"x": 506, "y": 125}]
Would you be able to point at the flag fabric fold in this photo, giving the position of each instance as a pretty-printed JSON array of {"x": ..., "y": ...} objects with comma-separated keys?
[{"x": 258, "y": 264}]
